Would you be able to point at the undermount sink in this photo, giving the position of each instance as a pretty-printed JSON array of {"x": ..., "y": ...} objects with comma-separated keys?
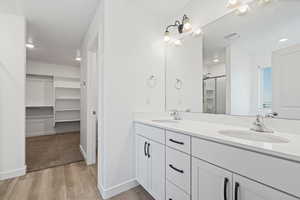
[
  {"x": 254, "y": 136},
  {"x": 165, "y": 121}
]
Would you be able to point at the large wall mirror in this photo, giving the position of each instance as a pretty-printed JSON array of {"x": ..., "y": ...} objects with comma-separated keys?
[{"x": 240, "y": 65}]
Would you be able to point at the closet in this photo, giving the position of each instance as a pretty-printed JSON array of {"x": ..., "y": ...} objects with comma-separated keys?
[{"x": 52, "y": 99}]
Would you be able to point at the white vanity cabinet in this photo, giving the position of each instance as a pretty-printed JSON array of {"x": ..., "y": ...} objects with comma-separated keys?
[
  {"x": 245, "y": 189},
  {"x": 176, "y": 166},
  {"x": 151, "y": 165},
  {"x": 210, "y": 182}
]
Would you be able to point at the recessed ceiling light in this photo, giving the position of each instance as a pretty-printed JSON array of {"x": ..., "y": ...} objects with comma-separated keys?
[
  {"x": 30, "y": 45},
  {"x": 216, "y": 60},
  {"x": 283, "y": 40}
]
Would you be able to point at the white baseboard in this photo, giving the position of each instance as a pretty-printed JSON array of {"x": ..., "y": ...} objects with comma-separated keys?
[
  {"x": 82, "y": 152},
  {"x": 13, "y": 173},
  {"x": 115, "y": 190}
]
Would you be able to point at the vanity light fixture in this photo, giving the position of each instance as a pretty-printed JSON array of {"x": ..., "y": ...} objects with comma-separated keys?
[
  {"x": 183, "y": 26},
  {"x": 78, "y": 57}
]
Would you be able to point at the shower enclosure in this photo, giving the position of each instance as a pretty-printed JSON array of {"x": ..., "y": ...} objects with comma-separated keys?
[{"x": 214, "y": 94}]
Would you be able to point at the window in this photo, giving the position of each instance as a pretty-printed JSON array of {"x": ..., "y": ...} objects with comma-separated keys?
[{"x": 266, "y": 89}]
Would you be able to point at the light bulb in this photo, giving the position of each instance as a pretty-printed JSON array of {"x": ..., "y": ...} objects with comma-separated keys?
[
  {"x": 187, "y": 26},
  {"x": 78, "y": 57},
  {"x": 167, "y": 37},
  {"x": 233, "y": 4},
  {"x": 197, "y": 32},
  {"x": 177, "y": 42},
  {"x": 243, "y": 9}
]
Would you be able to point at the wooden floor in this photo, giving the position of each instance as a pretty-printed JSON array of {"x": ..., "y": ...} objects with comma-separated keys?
[
  {"x": 49, "y": 151},
  {"x": 74, "y": 181}
]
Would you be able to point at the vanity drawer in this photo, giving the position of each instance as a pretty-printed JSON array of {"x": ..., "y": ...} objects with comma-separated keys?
[
  {"x": 174, "y": 193},
  {"x": 178, "y": 141},
  {"x": 178, "y": 169},
  {"x": 150, "y": 132},
  {"x": 278, "y": 173}
]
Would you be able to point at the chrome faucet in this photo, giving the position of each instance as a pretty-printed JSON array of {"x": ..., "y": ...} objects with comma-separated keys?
[
  {"x": 175, "y": 114},
  {"x": 259, "y": 125}
]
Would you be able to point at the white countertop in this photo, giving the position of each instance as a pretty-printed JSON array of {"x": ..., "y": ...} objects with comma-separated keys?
[{"x": 210, "y": 131}]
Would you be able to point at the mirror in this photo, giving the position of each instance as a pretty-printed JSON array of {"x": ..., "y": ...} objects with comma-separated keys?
[{"x": 240, "y": 65}]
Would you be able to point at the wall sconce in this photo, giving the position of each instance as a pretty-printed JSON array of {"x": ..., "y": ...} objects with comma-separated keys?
[{"x": 183, "y": 26}]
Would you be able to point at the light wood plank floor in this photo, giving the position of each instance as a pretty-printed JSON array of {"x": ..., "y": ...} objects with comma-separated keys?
[{"x": 74, "y": 181}]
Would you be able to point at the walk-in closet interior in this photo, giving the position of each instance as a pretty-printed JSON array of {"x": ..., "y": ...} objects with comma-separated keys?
[{"x": 52, "y": 114}]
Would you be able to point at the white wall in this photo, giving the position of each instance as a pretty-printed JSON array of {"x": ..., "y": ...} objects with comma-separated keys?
[
  {"x": 241, "y": 81},
  {"x": 185, "y": 63},
  {"x": 218, "y": 69},
  {"x": 12, "y": 96},
  {"x": 131, "y": 53}
]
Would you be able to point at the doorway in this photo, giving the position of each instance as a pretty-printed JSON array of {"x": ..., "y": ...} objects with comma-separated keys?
[{"x": 52, "y": 115}]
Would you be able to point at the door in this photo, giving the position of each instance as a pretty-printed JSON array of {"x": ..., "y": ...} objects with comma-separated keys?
[
  {"x": 142, "y": 162},
  {"x": 245, "y": 189},
  {"x": 157, "y": 170},
  {"x": 286, "y": 70},
  {"x": 210, "y": 182}
]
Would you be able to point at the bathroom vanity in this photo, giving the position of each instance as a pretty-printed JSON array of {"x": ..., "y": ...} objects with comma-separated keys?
[{"x": 189, "y": 160}]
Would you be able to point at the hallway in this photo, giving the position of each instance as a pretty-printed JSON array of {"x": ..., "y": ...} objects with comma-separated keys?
[{"x": 74, "y": 181}]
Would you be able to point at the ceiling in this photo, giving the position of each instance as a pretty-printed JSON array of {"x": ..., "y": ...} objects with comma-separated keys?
[
  {"x": 57, "y": 28},
  {"x": 272, "y": 22}
]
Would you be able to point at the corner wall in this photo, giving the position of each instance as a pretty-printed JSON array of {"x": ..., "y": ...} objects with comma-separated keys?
[
  {"x": 12, "y": 96},
  {"x": 131, "y": 52}
]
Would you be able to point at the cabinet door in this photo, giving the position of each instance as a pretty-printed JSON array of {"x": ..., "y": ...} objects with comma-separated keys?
[
  {"x": 210, "y": 182},
  {"x": 245, "y": 189},
  {"x": 157, "y": 170},
  {"x": 142, "y": 162}
]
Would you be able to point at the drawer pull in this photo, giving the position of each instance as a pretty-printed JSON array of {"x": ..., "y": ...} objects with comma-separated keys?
[
  {"x": 148, "y": 150},
  {"x": 177, "y": 142},
  {"x": 145, "y": 151},
  {"x": 177, "y": 170},
  {"x": 226, "y": 180},
  {"x": 236, "y": 191}
]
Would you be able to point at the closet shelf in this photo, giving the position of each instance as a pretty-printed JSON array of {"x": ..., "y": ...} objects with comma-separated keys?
[
  {"x": 67, "y": 87},
  {"x": 67, "y": 98},
  {"x": 70, "y": 109},
  {"x": 67, "y": 120},
  {"x": 39, "y": 106}
]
